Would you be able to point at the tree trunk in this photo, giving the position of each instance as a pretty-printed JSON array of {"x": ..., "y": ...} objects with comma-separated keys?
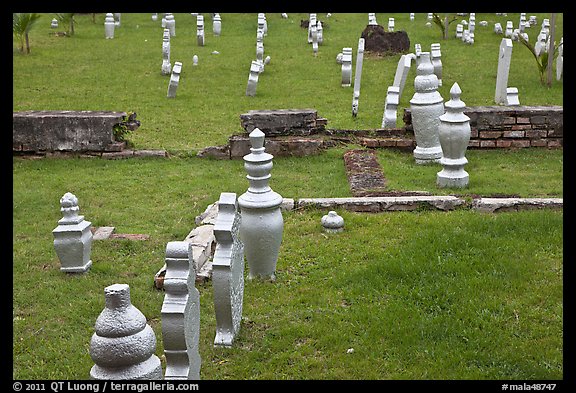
[
  {"x": 27, "y": 43},
  {"x": 446, "y": 27}
]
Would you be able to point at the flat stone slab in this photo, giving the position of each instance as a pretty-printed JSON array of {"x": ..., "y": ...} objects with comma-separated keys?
[
  {"x": 102, "y": 233},
  {"x": 493, "y": 205},
  {"x": 380, "y": 204}
]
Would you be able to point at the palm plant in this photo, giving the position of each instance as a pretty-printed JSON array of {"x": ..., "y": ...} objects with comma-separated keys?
[
  {"x": 22, "y": 23},
  {"x": 541, "y": 59},
  {"x": 67, "y": 19}
]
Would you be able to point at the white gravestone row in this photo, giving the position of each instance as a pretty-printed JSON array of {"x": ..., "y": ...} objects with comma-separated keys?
[
  {"x": 357, "y": 77},
  {"x": 171, "y": 24},
  {"x": 228, "y": 271},
  {"x": 181, "y": 313},
  {"x": 505, "y": 95}
]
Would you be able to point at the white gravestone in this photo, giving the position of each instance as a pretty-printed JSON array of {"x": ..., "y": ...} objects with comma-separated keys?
[
  {"x": 311, "y": 22},
  {"x": 72, "y": 237},
  {"x": 454, "y": 132},
  {"x": 498, "y": 28},
  {"x": 181, "y": 313},
  {"x": 155, "y": 17},
  {"x": 171, "y": 24},
  {"x": 504, "y": 59},
  {"x": 109, "y": 26},
  {"x": 262, "y": 222},
  {"x": 314, "y": 32},
  {"x": 412, "y": 16},
  {"x": 560, "y": 60},
  {"x": 390, "y": 25},
  {"x": 54, "y": 23},
  {"x": 391, "y": 107},
  {"x": 166, "y": 65},
  {"x": 402, "y": 71},
  {"x": 426, "y": 106},
  {"x": 346, "y": 67},
  {"x": 509, "y": 29},
  {"x": 117, "y": 16},
  {"x": 357, "y": 77},
  {"x": 123, "y": 344},
  {"x": 459, "y": 30},
  {"x": 372, "y": 19},
  {"x": 195, "y": 60},
  {"x": 174, "y": 79},
  {"x": 200, "y": 30},
  {"x": 417, "y": 52},
  {"x": 228, "y": 271},
  {"x": 253, "y": 78},
  {"x": 320, "y": 32},
  {"x": 436, "y": 58},
  {"x": 217, "y": 25}
]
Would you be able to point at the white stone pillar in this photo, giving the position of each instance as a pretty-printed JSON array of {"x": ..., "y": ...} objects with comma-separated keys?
[
  {"x": 174, "y": 80},
  {"x": 171, "y": 24},
  {"x": 504, "y": 59},
  {"x": 217, "y": 25},
  {"x": 346, "y": 67},
  {"x": 391, "y": 107},
  {"x": 262, "y": 222},
  {"x": 109, "y": 26},
  {"x": 357, "y": 77},
  {"x": 454, "y": 132},
  {"x": 253, "y": 78},
  {"x": 200, "y": 30},
  {"x": 228, "y": 271},
  {"x": 72, "y": 237},
  {"x": 181, "y": 313},
  {"x": 123, "y": 345},
  {"x": 166, "y": 65},
  {"x": 436, "y": 58},
  {"x": 426, "y": 106}
]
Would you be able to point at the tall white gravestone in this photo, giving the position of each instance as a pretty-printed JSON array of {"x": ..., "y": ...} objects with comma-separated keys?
[
  {"x": 171, "y": 24},
  {"x": 181, "y": 313},
  {"x": 217, "y": 25},
  {"x": 72, "y": 237},
  {"x": 174, "y": 79},
  {"x": 123, "y": 345},
  {"x": 228, "y": 271},
  {"x": 560, "y": 60},
  {"x": 200, "y": 30},
  {"x": 357, "y": 77},
  {"x": 109, "y": 26},
  {"x": 426, "y": 106},
  {"x": 166, "y": 66},
  {"x": 454, "y": 135},
  {"x": 436, "y": 58},
  {"x": 505, "y": 95},
  {"x": 391, "y": 107},
  {"x": 346, "y": 67},
  {"x": 262, "y": 222},
  {"x": 402, "y": 70}
]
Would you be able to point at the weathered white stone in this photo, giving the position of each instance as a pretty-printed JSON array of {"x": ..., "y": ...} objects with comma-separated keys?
[
  {"x": 262, "y": 222},
  {"x": 560, "y": 60},
  {"x": 417, "y": 53},
  {"x": 181, "y": 313},
  {"x": 426, "y": 106},
  {"x": 314, "y": 33},
  {"x": 540, "y": 44},
  {"x": 311, "y": 22},
  {"x": 339, "y": 57},
  {"x": 483, "y": 23},
  {"x": 498, "y": 28},
  {"x": 320, "y": 32},
  {"x": 171, "y": 24},
  {"x": 228, "y": 271},
  {"x": 284, "y": 15},
  {"x": 217, "y": 25},
  {"x": 412, "y": 16},
  {"x": 512, "y": 96},
  {"x": 72, "y": 237},
  {"x": 402, "y": 71},
  {"x": 532, "y": 20},
  {"x": 109, "y": 26},
  {"x": 504, "y": 58},
  {"x": 155, "y": 17},
  {"x": 54, "y": 23},
  {"x": 332, "y": 222},
  {"x": 390, "y": 24},
  {"x": 174, "y": 79},
  {"x": 346, "y": 67},
  {"x": 166, "y": 65},
  {"x": 454, "y": 133},
  {"x": 509, "y": 29},
  {"x": 200, "y": 30},
  {"x": 195, "y": 60},
  {"x": 459, "y": 30},
  {"x": 436, "y": 59},
  {"x": 253, "y": 78},
  {"x": 379, "y": 204},
  {"x": 494, "y": 205},
  {"x": 358, "y": 77},
  {"x": 430, "y": 16},
  {"x": 372, "y": 19},
  {"x": 391, "y": 107},
  {"x": 123, "y": 344}
]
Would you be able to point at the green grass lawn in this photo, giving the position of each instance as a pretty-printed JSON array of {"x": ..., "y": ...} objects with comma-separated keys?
[{"x": 416, "y": 295}]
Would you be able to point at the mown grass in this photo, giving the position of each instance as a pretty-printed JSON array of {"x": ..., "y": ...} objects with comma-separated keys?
[{"x": 420, "y": 295}]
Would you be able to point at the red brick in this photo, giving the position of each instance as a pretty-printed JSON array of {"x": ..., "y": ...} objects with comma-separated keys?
[
  {"x": 404, "y": 143},
  {"x": 533, "y": 134},
  {"x": 387, "y": 142},
  {"x": 554, "y": 143},
  {"x": 473, "y": 143},
  {"x": 520, "y": 143},
  {"x": 513, "y": 134},
  {"x": 503, "y": 143},
  {"x": 488, "y": 143},
  {"x": 369, "y": 142},
  {"x": 538, "y": 143},
  {"x": 522, "y": 120},
  {"x": 474, "y": 133},
  {"x": 521, "y": 127},
  {"x": 509, "y": 120},
  {"x": 490, "y": 134}
]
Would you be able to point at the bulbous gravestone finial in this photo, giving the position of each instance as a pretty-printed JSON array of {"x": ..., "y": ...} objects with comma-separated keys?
[{"x": 332, "y": 222}]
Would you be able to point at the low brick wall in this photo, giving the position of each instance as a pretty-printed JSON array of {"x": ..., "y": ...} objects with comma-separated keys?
[
  {"x": 76, "y": 131},
  {"x": 512, "y": 126}
]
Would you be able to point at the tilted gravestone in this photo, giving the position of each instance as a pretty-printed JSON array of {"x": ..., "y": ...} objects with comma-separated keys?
[
  {"x": 253, "y": 78},
  {"x": 357, "y": 77},
  {"x": 505, "y": 95},
  {"x": 174, "y": 79},
  {"x": 123, "y": 344},
  {"x": 402, "y": 70},
  {"x": 72, "y": 237},
  {"x": 228, "y": 271},
  {"x": 181, "y": 313},
  {"x": 391, "y": 107}
]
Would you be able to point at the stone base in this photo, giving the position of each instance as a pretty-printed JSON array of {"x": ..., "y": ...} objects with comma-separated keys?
[
  {"x": 449, "y": 180},
  {"x": 427, "y": 155},
  {"x": 77, "y": 269}
]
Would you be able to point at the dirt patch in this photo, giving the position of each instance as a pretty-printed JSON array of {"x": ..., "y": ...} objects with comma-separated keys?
[{"x": 377, "y": 40}]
